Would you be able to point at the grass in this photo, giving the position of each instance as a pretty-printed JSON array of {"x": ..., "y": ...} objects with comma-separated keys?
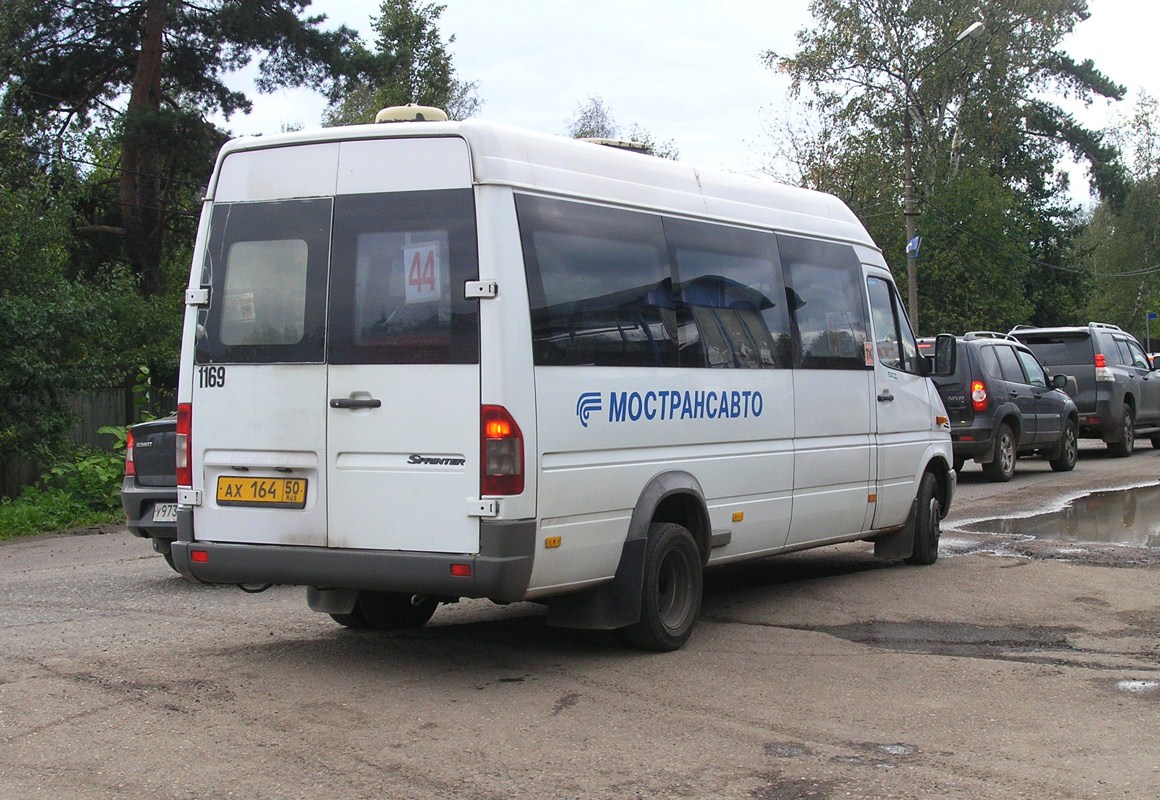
[
  {"x": 44, "y": 510},
  {"x": 82, "y": 489}
]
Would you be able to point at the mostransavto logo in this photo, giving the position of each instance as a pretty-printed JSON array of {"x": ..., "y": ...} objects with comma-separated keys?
[
  {"x": 587, "y": 405},
  {"x": 671, "y": 404}
]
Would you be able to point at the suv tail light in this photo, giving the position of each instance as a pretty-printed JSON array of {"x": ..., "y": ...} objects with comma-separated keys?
[
  {"x": 1102, "y": 371},
  {"x": 184, "y": 445},
  {"x": 979, "y": 396},
  {"x": 130, "y": 467},
  {"x": 502, "y": 452}
]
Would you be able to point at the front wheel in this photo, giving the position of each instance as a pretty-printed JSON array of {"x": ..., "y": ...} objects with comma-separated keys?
[
  {"x": 671, "y": 596},
  {"x": 927, "y": 527},
  {"x": 1000, "y": 468},
  {"x": 1068, "y": 449}
]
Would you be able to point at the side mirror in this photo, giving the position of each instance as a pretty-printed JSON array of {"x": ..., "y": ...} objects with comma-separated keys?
[
  {"x": 1059, "y": 381},
  {"x": 946, "y": 352}
]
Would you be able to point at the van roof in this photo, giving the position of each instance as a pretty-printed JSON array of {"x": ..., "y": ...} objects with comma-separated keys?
[{"x": 530, "y": 160}]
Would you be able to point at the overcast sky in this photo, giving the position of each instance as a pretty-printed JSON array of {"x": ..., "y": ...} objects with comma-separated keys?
[{"x": 685, "y": 71}]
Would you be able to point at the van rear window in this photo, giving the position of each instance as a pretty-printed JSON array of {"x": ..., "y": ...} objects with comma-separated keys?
[
  {"x": 265, "y": 266},
  {"x": 396, "y": 287},
  {"x": 389, "y": 280}
]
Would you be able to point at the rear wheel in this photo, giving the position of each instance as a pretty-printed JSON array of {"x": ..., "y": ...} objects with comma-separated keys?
[
  {"x": 927, "y": 527},
  {"x": 1068, "y": 449},
  {"x": 385, "y": 611},
  {"x": 1000, "y": 468},
  {"x": 1127, "y": 443},
  {"x": 671, "y": 597}
]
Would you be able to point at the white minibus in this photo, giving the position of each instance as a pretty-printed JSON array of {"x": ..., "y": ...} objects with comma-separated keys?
[{"x": 433, "y": 360}]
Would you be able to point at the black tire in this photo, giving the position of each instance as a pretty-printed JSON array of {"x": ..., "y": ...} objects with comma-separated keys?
[
  {"x": 927, "y": 522},
  {"x": 354, "y": 620},
  {"x": 959, "y": 462},
  {"x": 671, "y": 596},
  {"x": 1068, "y": 449},
  {"x": 1000, "y": 468},
  {"x": 386, "y": 611},
  {"x": 1127, "y": 443}
]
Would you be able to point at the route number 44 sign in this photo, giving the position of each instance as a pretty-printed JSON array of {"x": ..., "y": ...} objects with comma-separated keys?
[{"x": 424, "y": 272}]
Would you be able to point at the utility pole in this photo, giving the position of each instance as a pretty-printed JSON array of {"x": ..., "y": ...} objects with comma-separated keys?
[{"x": 971, "y": 32}]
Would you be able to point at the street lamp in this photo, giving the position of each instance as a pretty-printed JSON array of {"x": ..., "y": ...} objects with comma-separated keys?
[{"x": 971, "y": 32}]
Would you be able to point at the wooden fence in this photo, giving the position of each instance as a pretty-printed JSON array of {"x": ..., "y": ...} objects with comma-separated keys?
[{"x": 94, "y": 410}]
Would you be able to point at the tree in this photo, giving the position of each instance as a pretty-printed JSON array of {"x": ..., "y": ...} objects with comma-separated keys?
[
  {"x": 58, "y": 331},
  {"x": 593, "y": 120},
  {"x": 1120, "y": 246},
  {"x": 876, "y": 68},
  {"x": 153, "y": 71},
  {"x": 412, "y": 64}
]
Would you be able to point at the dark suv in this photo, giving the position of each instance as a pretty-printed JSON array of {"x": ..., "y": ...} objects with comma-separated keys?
[
  {"x": 1115, "y": 388},
  {"x": 1002, "y": 404}
]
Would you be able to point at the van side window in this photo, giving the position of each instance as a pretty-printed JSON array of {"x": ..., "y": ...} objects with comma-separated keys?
[
  {"x": 599, "y": 285},
  {"x": 398, "y": 268},
  {"x": 729, "y": 297},
  {"x": 894, "y": 342},
  {"x": 824, "y": 289},
  {"x": 265, "y": 265}
]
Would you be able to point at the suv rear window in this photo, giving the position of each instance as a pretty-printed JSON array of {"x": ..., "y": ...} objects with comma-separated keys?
[{"x": 1054, "y": 350}]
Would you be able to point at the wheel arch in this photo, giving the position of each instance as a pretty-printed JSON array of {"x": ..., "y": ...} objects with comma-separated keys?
[{"x": 674, "y": 496}]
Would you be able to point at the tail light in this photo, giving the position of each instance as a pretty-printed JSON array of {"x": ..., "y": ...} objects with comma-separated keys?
[
  {"x": 502, "y": 451},
  {"x": 978, "y": 396},
  {"x": 184, "y": 444},
  {"x": 130, "y": 467},
  {"x": 1102, "y": 371}
]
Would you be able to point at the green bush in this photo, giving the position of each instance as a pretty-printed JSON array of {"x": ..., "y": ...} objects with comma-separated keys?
[
  {"x": 81, "y": 490},
  {"x": 91, "y": 477}
]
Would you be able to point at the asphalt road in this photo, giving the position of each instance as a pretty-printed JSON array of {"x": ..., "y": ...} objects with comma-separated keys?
[{"x": 1010, "y": 668}]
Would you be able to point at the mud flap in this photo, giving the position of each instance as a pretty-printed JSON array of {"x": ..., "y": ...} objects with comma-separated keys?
[
  {"x": 900, "y": 544},
  {"x": 609, "y": 606}
]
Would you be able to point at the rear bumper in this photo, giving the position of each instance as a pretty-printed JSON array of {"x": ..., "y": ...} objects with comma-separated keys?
[
  {"x": 973, "y": 442},
  {"x": 500, "y": 571},
  {"x": 1103, "y": 423},
  {"x": 138, "y": 502}
]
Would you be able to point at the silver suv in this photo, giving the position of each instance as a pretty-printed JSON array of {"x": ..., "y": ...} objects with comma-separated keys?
[{"x": 1110, "y": 378}]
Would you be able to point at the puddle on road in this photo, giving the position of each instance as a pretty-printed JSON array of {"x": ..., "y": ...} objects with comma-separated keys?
[
  {"x": 1123, "y": 516},
  {"x": 951, "y": 638}
]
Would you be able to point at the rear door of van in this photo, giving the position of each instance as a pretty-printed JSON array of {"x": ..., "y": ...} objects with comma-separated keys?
[{"x": 336, "y": 392}]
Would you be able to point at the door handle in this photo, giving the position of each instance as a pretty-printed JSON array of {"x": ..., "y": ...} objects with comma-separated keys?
[
  {"x": 350, "y": 402},
  {"x": 885, "y": 396}
]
